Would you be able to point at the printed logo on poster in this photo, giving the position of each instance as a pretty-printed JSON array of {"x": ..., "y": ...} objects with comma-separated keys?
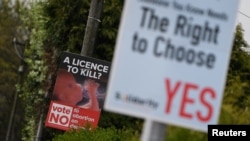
[
  {"x": 65, "y": 117},
  {"x": 59, "y": 115}
]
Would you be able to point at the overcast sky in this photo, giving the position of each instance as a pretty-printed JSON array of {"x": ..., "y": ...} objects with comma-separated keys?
[{"x": 244, "y": 18}]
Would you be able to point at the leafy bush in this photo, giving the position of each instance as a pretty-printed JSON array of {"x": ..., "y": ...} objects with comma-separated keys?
[
  {"x": 175, "y": 133},
  {"x": 99, "y": 134}
]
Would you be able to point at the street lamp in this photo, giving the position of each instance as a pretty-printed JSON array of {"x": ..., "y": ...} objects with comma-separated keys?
[{"x": 19, "y": 52}]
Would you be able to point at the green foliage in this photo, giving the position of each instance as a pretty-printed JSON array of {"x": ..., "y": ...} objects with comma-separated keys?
[
  {"x": 99, "y": 134},
  {"x": 66, "y": 23},
  {"x": 58, "y": 25},
  {"x": 182, "y": 134},
  {"x": 236, "y": 100},
  {"x": 108, "y": 29},
  {"x": 118, "y": 121},
  {"x": 34, "y": 87},
  {"x": 28, "y": 130},
  {"x": 9, "y": 63}
]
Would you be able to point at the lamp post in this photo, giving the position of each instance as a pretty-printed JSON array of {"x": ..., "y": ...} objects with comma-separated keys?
[{"x": 19, "y": 52}]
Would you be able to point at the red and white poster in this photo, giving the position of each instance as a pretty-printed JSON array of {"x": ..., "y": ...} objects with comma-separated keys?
[
  {"x": 79, "y": 92},
  {"x": 171, "y": 60}
]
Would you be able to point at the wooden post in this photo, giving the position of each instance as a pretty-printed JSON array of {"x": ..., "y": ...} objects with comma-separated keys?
[{"x": 92, "y": 27}]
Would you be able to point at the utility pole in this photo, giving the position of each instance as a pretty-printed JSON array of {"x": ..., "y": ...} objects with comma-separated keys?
[
  {"x": 88, "y": 44},
  {"x": 154, "y": 131},
  {"x": 92, "y": 27},
  {"x": 39, "y": 131}
]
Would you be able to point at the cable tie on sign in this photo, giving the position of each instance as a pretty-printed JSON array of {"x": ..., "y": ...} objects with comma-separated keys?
[{"x": 94, "y": 19}]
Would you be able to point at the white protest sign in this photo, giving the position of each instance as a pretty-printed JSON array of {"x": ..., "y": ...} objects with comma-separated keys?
[{"x": 171, "y": 60}]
